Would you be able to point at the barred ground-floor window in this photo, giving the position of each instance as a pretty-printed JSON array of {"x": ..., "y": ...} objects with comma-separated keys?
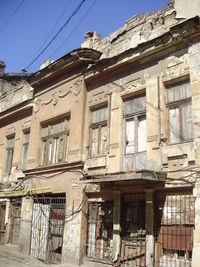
[{"x": 174, "y": 228}]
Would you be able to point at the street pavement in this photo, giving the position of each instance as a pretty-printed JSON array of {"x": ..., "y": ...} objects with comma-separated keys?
[{"x": 11, "y": 257}]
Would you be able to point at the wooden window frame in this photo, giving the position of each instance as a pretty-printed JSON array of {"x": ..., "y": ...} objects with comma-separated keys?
[
  {"x": 45, "y": 159},
  {"x": 178, "y": 104},
  {"x": 97, "y": 125},
  {"x": 135, "y": 118},
  {"x": 25, "y": 144},
  {"x": 8, "y": 165},
  {"x": 135, "y": 115}
]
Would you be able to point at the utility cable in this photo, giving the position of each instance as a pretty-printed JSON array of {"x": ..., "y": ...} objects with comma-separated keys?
[
  {"x": 74, "y": 29},
  {"x": 54, "y": 26},
  {"x": 11, "y": 16},
  {"x": 59, "y": 31}
]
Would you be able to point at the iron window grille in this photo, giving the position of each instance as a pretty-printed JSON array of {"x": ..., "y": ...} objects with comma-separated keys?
[{"x": 174, "y": 221}]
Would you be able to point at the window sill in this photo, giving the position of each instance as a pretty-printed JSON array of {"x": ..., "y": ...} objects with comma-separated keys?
[
  {"x": 181, "y": 143},
  {"x": 136, "y": 153},
  {"x": 57, "y": 167}
]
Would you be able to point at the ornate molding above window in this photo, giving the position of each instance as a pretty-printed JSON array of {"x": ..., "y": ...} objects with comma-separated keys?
[{"x": 75, "y": 88}]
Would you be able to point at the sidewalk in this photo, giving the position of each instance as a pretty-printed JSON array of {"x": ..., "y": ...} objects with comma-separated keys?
[{"x": 11, "y": 257}]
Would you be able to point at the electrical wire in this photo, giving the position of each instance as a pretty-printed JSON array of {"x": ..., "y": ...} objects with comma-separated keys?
[
  {"x": 11, "y": 16},
  {"x": 75, "y": 28},
  {"x": 54, "y": 26},
  {"x": 56, "y": 35}
]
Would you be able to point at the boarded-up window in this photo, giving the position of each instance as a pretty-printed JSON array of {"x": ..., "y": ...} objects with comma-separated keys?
[
  {"x": 100, "y": 231},
  {"x": 98, "y": 133},
  {"x": 180, "y": 113},
  {"x": 54, "y": 147},
  {"x": 25, "y": 149},
  {"x": 9, "y": 154}
]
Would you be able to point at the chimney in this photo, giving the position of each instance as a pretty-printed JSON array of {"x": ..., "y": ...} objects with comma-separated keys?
[{"x": 2, "y": 68}]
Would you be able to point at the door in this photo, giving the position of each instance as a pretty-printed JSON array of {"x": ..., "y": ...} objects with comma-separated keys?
[
  {"x": 2, "y": 221},
  {"x": 133, "y": 246},
  {"x": 15, "y": 221},
  {"x": 100, "y": 231},
  {"x": 47, "y": 228},
  {"x": 55, "y": 237},
  {"x": 40, "y": 224}
]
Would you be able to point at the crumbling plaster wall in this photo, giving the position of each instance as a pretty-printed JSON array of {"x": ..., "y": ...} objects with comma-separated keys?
[
  {"x": 186, "y": 9},
  {"x": 14, "y": 93},
  {"x": 138, "y": 29}
]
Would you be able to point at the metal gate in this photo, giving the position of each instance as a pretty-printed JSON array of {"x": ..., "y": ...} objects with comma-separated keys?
[
  {"x": 133, "y": 246},
  {"x": 47, "y": 228},
  {"x": 15, "y": 220},
  {"x": 100, "y": 231},
  {"x": 174, "y": 223}
]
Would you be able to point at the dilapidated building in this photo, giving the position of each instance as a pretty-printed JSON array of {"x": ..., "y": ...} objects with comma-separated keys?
[{"x": 100, "y": 149}]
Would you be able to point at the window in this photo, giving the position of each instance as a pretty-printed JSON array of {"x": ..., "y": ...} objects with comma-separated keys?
[
  {"x": 9, "y": 154},
  {"x": 25, "y": 149},
  {"x": 180, "y": 113},
  {"x": 55, "y": 138},
  {"x": 174, "y": 221},
  {"x": 98, "y": 133},
  {"x": 135, "y": 124},
  {"x": 135, "y": 133},
  {"x": 100, "y": 231}
]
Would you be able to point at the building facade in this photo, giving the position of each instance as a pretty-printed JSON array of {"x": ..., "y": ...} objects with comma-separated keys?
[{"x": 100, "y": 149}]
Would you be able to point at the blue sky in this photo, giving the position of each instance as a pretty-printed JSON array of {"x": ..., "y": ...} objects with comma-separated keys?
[{"x": 22, "y": 35}]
